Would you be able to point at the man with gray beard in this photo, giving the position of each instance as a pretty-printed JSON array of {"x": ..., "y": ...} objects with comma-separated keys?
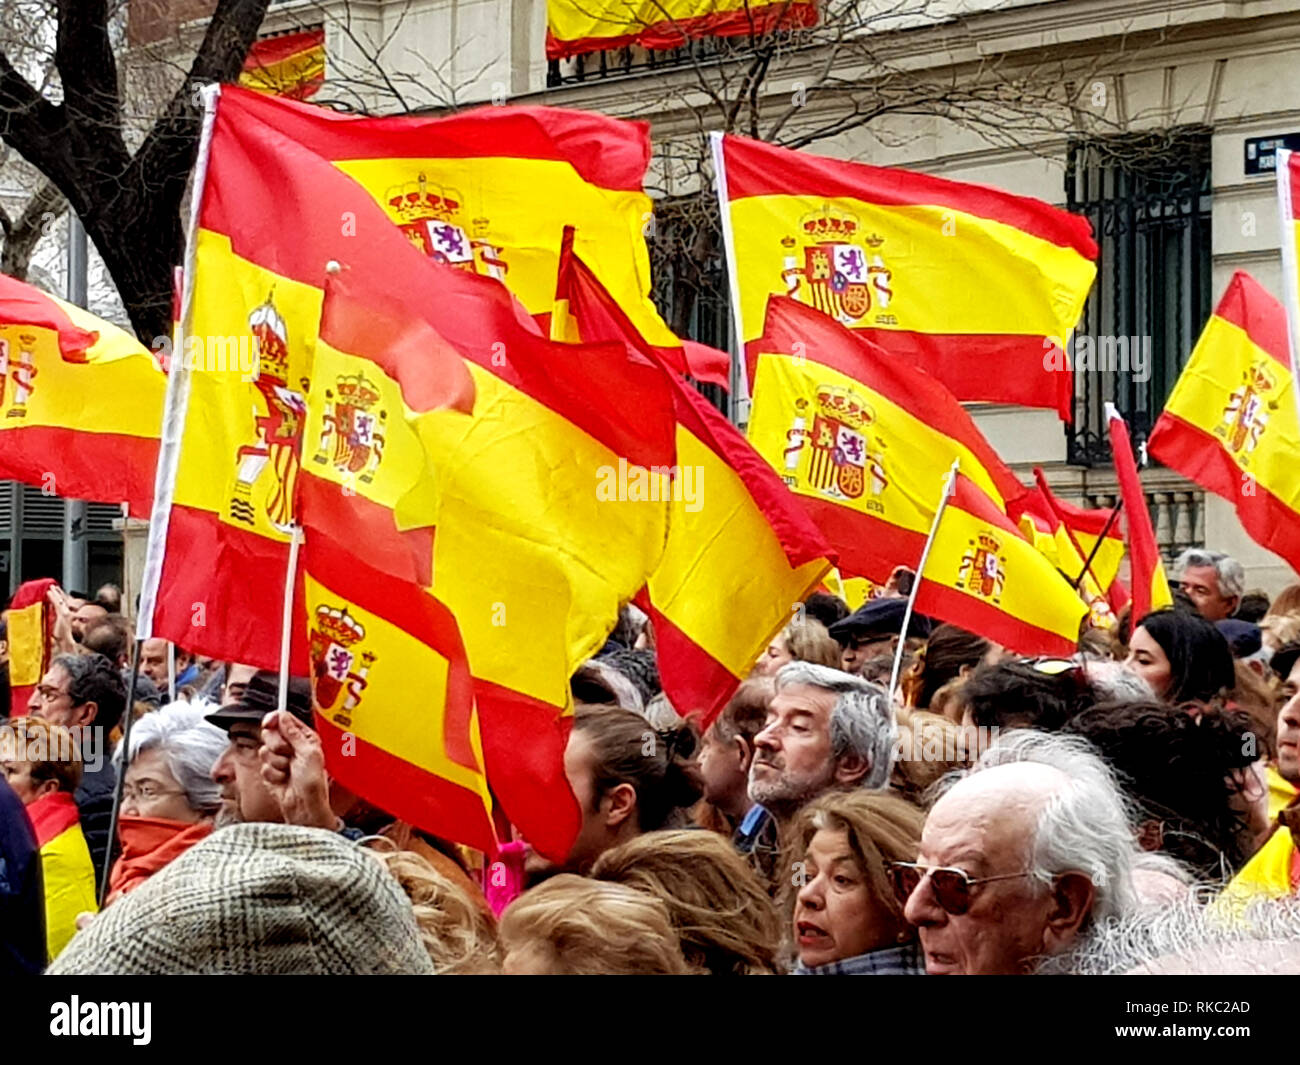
[
  {"x": 273, "y": 769},
  {"x": 825, "y": 730}
]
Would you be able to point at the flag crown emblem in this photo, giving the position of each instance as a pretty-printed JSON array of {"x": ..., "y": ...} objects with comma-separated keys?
[
  {"x": 272, "y": 338},
  {"x": 831, "y": 222},
  {"x": 1261, "y": 379},
  {"x": 982, "y": 570},
  {"x": 844, "y": 406},
  {"x": 417, "y": 201},
  {"x": 357, "y": 391},
  {"x": 339, "y": 626}
]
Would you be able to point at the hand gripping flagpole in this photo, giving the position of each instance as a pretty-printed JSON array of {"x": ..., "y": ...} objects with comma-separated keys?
[{"x": 949, "y": 484}]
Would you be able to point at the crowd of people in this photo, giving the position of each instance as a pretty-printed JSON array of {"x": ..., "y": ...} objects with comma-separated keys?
[{"x": 1128, "y": 808}]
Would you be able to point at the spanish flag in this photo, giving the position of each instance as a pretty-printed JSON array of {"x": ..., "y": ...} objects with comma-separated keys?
[
  {"x": 575, "y": 28},
  {"x": 290, "y": 64},
  {"x": 490, "y": 190},
  {"x": 861, "y": 437},
  {"x": 979, "y": 287},
  {"x": 31, "y": 627},
  {"x": 80, "y": 401},
  {"x": 741, "y": 554},
  {"x": 1150, "y": 586},
  {"x": 1230, "y": 422},
  {"x": 394, "y": 698},
  {"x": 983, "y": 575}
]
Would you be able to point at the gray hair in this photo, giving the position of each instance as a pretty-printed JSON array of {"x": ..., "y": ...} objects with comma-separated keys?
[
  {"x": 189, "y": 744},
  {"x": 862, "y": 719},
  {"x": 1112, "y": 681},
  {"x": 1230, "y": 574},
  {"x": 1086, "y": 826},
  {"x": 1257, "y": 938}
]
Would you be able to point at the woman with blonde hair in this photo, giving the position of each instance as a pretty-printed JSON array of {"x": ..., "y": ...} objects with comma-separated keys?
[
  {"x": 844, "y": 914},
  {"x": 458, "y": 935},
  {"x": 803, "y": 640},
  {"x": 720, "y": 908},
  {"x": 572, "y": 926}
]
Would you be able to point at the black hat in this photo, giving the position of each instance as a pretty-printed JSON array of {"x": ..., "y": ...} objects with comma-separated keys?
[
  {"x": 261, "y": 697},
  {"x": 1284, "y": 658},
  {"x": 879, "y": 618},
  {"x": 1242, "y": 636}
]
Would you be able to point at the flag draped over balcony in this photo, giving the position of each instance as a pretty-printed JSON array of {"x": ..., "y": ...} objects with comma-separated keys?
[{"x": 575, "y": 27}]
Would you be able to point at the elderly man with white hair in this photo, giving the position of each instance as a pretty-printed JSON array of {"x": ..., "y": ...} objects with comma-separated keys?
[
  {"x": 1021, "y": 858},
  {"x": 825, "y": 730},
  {"x": 1214, "y": 582},
  {"x": 169, "y": 799}
]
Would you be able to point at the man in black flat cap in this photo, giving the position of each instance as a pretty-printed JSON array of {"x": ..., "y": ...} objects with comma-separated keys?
[
  {"x": 873, "y": 630},
  {"x": 274, "y": 768}
]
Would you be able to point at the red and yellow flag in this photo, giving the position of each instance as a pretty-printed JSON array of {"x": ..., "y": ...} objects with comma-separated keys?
[
  {"x": 977, "y": 286},
  {"x": 530, "y": 559},
  {"x": 1288, "y": 194},
  {"x": 1150, "y": 585},
  {"x": 394, "y": 698},
  {"x": 80, "y": 401},
  {"x": 741, "y": 554},
  {"x": 574, "y": 27},
  {"x": 1230, "y": 422},
  {"x": 862, "y": 438},
  {"x": 489, "y": 191},
  {"x": 290, "y": 65},
  {"x": 984, "y": 576},
  {"x": 31, "y": 627}
]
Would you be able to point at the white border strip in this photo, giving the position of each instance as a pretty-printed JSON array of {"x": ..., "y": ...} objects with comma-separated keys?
[
  {"x": 178, "y": 389},
  {"x": 740, "y": 393}
]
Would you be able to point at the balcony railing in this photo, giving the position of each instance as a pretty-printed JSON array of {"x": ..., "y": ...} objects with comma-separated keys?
[{"x": 1178, "y": 514}]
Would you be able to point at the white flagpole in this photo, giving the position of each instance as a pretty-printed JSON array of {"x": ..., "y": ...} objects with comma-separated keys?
[
  {"x": 1290, "y": 273},
  {"x": 740, "y": 383},
  {"x": 286, "y": 623},
  {"x": 178, "y": 389},
  {"x": 949, "y": 483}
]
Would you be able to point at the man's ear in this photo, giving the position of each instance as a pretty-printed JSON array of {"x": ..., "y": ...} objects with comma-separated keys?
[
  {"x": 1072, "y": 897},
  {"x": 87, "y": 712},
  {"x": 850, "y": 769},
  {"x": 619, "y": 805},
  {"x": 744, "y": 754}
]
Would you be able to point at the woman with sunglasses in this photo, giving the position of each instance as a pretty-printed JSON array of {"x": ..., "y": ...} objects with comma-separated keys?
[
  {"x": 844, "y": 915},
  {"x": 1183, "y": 657}
]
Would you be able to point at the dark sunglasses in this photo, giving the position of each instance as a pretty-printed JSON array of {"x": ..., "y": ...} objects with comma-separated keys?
[{"x": 951, "y": 887}]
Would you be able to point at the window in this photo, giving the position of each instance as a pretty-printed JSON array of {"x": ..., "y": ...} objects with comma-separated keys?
[{"x": 1148, "y": 198}]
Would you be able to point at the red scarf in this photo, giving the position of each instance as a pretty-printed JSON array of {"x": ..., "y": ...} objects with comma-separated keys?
[
  {"x": 149, "y": 843},
  {"x": 52, "y": 815}
]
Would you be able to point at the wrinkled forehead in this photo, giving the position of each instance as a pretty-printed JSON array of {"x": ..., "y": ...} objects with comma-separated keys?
[
  {"x": 1206, "y": 575},
  {"x": 989, "y": 815},
  {"x": 790, "y": 698}
]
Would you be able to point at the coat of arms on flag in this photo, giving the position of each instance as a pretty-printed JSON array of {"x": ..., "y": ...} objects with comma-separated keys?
[
  {"x": 983, "y": 568},
  {"x": 352, "y": 435},
  {"x": 1246, "y": 414},
  {"x": 844, "y": 462},
  {"x": 22, "y": 368},
  {"x": 836, "y": 274},
  {"x": 433, "y": 220},
  {"x": 338, "y": 668}
]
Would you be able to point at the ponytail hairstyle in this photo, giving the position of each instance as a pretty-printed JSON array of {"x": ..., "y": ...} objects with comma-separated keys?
[{"x": 658, "y": 763}]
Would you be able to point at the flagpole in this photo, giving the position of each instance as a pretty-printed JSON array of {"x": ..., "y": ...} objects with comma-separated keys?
[
  {"x": 1087, "y": 566},
  {"x": 1049, "y": 498},
  {"x": 949, "y": 482},
  {"x": 740, "y": 383},
  {"x": 1290, "y": 269},
  {"x": 121, "y": 773},
  {"x": 286, "y": 625}
]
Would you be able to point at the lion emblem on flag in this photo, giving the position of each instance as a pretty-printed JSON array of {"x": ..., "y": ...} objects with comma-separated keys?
[
  {"x": 339, "y": 669},
  {"x": 1246, "y": 414},
  {"x": 279, "y": 426},
  {"x": 352, "y": 430},
  {"x": 432, "y": 217},
  {"x": 982, "y": 570},
  {"x": 840, "y": 272},
  {"x": 843, "y": 462}
]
